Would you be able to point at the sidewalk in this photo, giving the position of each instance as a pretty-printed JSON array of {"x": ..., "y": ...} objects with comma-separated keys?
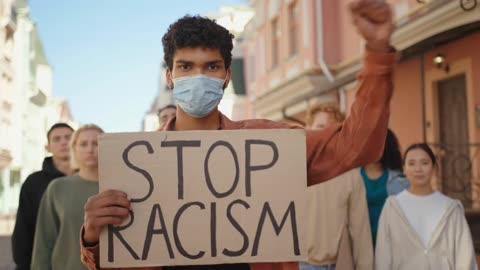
[
  {"x": 7, "y": 222},
  {"x": 6, "y": 261}
]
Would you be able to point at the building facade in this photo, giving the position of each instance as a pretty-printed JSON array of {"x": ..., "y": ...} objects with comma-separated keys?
[{"x": 27, "y": 107}]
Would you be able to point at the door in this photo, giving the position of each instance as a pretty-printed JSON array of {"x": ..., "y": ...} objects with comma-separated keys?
[{"x": 455, "y": 161}]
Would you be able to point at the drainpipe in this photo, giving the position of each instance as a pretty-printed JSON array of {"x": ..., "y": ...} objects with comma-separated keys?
[
  {"x": 422, "y": 89},
  {"x": 320, "y": 53},
  {"x": 320, "y": 49}
]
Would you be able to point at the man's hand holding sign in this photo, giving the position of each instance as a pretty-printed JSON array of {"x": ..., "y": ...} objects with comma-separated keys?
[{"x": 205, "y": 197}]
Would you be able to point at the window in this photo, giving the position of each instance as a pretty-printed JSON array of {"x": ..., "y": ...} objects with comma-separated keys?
[
  {"x": 259, "y": 12},
  {"x": 1, "y": 182},
  {"x": 273, "y": 8},
  {"x": 293, "y": 27},
  {"x": 260, "y": 54},
  {"x": 8, "y": 46},
  {"x": 251, "y": 64},
  {"x": 275, "y": 42}
]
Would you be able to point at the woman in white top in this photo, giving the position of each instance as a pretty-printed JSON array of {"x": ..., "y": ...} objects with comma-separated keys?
[{"x": 421, "y": 228}]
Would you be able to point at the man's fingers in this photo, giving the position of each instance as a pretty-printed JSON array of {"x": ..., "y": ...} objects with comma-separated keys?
[
  {"x": 357, "y": 5},
  {"x": 375, "y": 11},
  {"x": 362, "y": 23},
  {"x": 113, "y": 192},
  {"x": 106, "y": 201},
  {"x": 100, "y": 222},
  {"x": 108, "y": 193},
  {"x": 112, "y": 211}
]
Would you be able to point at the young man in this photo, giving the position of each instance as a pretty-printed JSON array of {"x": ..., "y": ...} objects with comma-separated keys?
[
  {"x": 58, "y": 165},
  {"x": 164, "y": 114},
  {"x": 338, "y": 226},
  {"x": 197, "y": 52}
]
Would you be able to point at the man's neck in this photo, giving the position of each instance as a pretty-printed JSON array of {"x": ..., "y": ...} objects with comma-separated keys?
[
  {"x": 186, "y": 122},
  {"x": 63, "y": 165}
]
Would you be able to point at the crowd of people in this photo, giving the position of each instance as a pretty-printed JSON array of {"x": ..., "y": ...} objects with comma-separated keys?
[{"x": 369, "y": 206}]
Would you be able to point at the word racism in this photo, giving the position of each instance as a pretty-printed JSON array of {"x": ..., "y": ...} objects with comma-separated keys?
[{"x": 207, "y": 200}]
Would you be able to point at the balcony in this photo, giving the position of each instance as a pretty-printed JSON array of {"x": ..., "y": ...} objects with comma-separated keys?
[
  {"x": 456, "y": 170},
  {"x": 38, "y": 98},
  {"x": 432, "y": 18}
]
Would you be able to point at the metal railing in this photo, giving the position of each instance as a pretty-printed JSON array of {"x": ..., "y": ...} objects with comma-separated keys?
[
  {"x": 466, "y": 5},
  {"x": 458, "y": 172},
  {"x": 456, "y": 169}
]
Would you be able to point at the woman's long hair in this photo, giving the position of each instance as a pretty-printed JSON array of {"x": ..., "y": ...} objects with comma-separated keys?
[{"x": 391, "y": 158}]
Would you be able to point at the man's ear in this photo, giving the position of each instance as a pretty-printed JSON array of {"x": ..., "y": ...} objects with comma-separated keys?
[
  {"x": 168, "y": 75},
  {"x": 47, "y": 148},
  {"x": 227, "y": 78}
]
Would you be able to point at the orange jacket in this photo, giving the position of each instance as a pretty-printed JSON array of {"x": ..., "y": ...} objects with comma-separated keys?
[{"x": 332, "y": 151}]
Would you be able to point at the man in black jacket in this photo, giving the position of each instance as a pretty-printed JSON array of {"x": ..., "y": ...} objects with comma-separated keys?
[{"x": 57, "y": 165}]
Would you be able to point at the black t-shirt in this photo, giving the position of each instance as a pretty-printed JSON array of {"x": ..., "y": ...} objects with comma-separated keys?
[{"x": 30, "y": 196}]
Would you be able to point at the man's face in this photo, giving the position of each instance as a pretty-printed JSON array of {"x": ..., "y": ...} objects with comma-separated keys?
[
  {"x": 165, "y": 115},
  {"x": 322, "y": 120},
  {"x": 196, "y": 61},
  {"x": 58, "y": 142}
]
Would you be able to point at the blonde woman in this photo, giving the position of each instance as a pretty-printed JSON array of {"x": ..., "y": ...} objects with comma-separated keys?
[
  {"x": 60, "y": 216},
  {"x": 338, "y": 228}
]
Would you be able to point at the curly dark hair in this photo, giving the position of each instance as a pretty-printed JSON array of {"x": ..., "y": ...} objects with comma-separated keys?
[
  {"x": 196, "y": 31},
  {"x": 391, "y": 158}
]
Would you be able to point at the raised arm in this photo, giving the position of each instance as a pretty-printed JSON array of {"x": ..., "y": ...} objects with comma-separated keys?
[{"x": 360, "y": 139}]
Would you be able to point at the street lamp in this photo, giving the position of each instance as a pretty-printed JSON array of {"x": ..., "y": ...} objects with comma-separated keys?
[{"x": 440, "y": 62}]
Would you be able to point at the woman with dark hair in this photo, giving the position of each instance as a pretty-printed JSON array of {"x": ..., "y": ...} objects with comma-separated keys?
[
  {"x": 421, "y": 228},
  {"x": 382, "y": 179}
]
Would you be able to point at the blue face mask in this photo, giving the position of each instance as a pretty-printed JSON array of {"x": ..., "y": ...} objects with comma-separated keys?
[{"x": 198, "y": 95}]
